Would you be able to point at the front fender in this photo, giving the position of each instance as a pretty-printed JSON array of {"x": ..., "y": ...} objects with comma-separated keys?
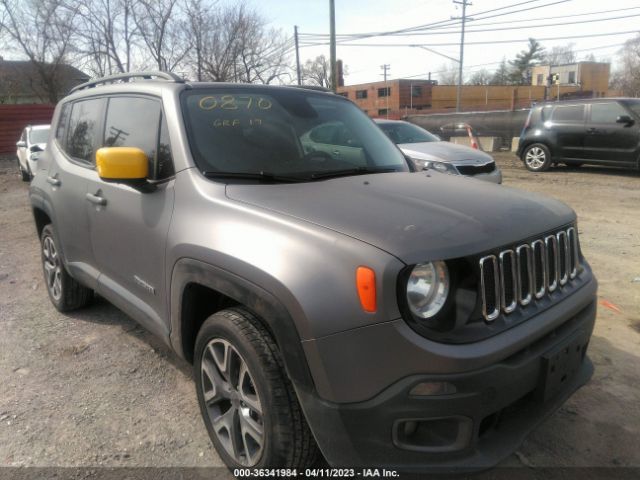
[{"x": 254, "y": 297}]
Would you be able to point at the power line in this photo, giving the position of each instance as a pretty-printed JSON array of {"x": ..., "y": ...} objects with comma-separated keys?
[
  {"x": 555, "y": 17},
  {"x": 520, "y": 27},
  {"x": 490, "y": 42},
  {"x": 440, "y": 23}
]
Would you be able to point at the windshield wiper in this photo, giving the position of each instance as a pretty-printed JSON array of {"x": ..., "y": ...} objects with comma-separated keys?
[
  {"x": 351, "y": 171},
  {"x": 263, "y": 176}
]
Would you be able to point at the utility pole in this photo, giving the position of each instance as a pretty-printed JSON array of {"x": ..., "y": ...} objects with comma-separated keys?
[
  {"x": 332, "y": 45},
  {"x": 385, "y": 68},
  {"x": 463, "y": 19},
  {"x": 295, "y": 36}
]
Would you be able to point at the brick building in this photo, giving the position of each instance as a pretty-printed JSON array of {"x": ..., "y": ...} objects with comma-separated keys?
[
  {"x": 590, "y": 77},
  {"x": 378, "y": 99}
]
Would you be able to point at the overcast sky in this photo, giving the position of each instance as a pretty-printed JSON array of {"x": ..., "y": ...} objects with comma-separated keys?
[{"x": 359, "y": 16}]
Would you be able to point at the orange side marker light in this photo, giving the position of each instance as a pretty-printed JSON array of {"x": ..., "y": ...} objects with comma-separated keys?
[{"x": 366, "y": 284}]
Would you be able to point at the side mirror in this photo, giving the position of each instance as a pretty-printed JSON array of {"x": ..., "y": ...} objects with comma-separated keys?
[
  {"x": 122, "y": 164},
  {"x": 36, "y": 148},
  {"x": 21, "y": 144},
  {"x": 626, "y": 119}
]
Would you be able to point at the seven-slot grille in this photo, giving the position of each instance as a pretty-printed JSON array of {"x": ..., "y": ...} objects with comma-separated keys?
[{"x": 531, "y": 270}]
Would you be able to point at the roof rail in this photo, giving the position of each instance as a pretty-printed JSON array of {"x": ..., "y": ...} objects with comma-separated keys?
[
  {"x": 125, "y": 77},
  {"x": 312, "y": 87}
]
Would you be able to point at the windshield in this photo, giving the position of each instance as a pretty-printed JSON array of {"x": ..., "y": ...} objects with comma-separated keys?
[
  {"x": 297, "y": 134},
  {"x": 407, "y": 133},
  {"x": 40, "y": 135}
]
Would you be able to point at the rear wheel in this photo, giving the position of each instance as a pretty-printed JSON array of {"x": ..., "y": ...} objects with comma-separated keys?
[
  {"x": 247, "y": 402},
  {"x": 65, "y": 293},
  {"x": 537, "y": 157}
]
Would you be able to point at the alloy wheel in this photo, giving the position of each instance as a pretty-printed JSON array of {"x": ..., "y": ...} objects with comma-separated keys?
[
  {"x": 52, "y": 267},
  {"x": 232, "y": 402},
  {"x": 535, "y": 158}
]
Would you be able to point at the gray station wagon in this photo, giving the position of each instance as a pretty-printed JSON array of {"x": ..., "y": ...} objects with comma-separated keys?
[{"x": 341, "y": 306}]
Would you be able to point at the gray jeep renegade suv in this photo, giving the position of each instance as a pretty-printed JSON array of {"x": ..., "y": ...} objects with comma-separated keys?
[{"x": 330, "y": 299}]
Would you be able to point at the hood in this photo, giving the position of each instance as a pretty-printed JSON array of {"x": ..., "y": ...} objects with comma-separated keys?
[
  {"x": 445, "y": 152},
  {"x": 414, "y": 216}
]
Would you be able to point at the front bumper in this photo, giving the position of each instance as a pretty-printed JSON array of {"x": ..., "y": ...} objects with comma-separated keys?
[
  {"x": 493, "y": 177},
  {"x": 495, "y": 406}
]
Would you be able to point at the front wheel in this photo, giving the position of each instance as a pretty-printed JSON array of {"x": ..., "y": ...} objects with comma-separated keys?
[
  {"x": 537, "y": 158},
  {"x": 247, "y": 401}
]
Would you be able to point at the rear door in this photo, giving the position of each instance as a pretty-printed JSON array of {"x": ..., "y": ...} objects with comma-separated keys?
[
  {"x": 568, "y": 126},
  {"x": 607, "y": 141},
  {"x": 129, "y": 229},
  {"x": 72, "y": 166},
  {"x": 336, "y": 140}
]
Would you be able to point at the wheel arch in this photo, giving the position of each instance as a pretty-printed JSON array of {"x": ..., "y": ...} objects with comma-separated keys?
[
  {"x": 41, "y": 218},
  {"x": 199, "y": 289}
]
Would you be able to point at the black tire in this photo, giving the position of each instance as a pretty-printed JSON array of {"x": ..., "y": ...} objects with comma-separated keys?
[
  {"x": 66, "y": 293},
  {"x": 287, "y": 441},
  {"x": 25, "y": 175},
  {"x": 536, "y": 157}
]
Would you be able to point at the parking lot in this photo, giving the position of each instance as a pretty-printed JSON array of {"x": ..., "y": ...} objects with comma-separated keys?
[{"x": 92, "y": 388}]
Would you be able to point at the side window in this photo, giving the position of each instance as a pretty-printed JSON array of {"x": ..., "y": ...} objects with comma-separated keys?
[
  {"x": 61, "y": 129},
  {"x": 606, "y": 112},
  {"x": 568, "y": 114},
  {"x": 136, "y": 122},
  {"x": 83, "y": 129},
  {"x": 324, "y": 133}
]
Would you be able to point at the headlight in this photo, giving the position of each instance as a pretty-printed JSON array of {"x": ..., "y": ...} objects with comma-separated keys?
[
  {"x": 441, "y": 167},
  {"x": 427, "y": 289}
]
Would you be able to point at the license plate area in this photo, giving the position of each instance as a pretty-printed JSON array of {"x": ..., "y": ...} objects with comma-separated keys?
[{"x": 560, "y": 364}]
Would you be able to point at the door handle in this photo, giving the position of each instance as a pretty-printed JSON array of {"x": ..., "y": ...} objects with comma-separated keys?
[
  {"x": 53, "y": 181},
  {"x": 96, "y": 199},
  {"x": 592, "y": 130},
  {"x": 336, "y": 153}
]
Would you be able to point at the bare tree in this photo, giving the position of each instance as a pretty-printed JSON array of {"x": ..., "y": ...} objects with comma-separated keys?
[
  {"x": 233, "y": 43},
  {"x": 561, "y": 54},
  {"x": 262, "y": 52},
  {"x": 106, "y": 35},
  {"x": 42, "y": 31},
  {"x": 481, "y": 77},
  {"x": 199, "y": 23},
  {"x": 163, "y": 29},
  {"x": 448, "y": 74},
  {"x": 317, "y": 72},
  {"x": 627, "y": 77}
]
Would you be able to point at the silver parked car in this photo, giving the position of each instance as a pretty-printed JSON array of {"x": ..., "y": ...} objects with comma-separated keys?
[
  {"x": 340, "y": 304},
  {"x": 32, "y": 143},
  {"x": 429, "y": 151}
]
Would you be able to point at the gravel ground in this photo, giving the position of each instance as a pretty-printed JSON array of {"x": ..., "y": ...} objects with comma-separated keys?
[{"x": 93, "y": 389}]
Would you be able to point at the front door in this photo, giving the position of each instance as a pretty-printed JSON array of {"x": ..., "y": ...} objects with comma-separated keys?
[
  {"x": 607, "y": 141},
  {"x": 129, "y": 225}
]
